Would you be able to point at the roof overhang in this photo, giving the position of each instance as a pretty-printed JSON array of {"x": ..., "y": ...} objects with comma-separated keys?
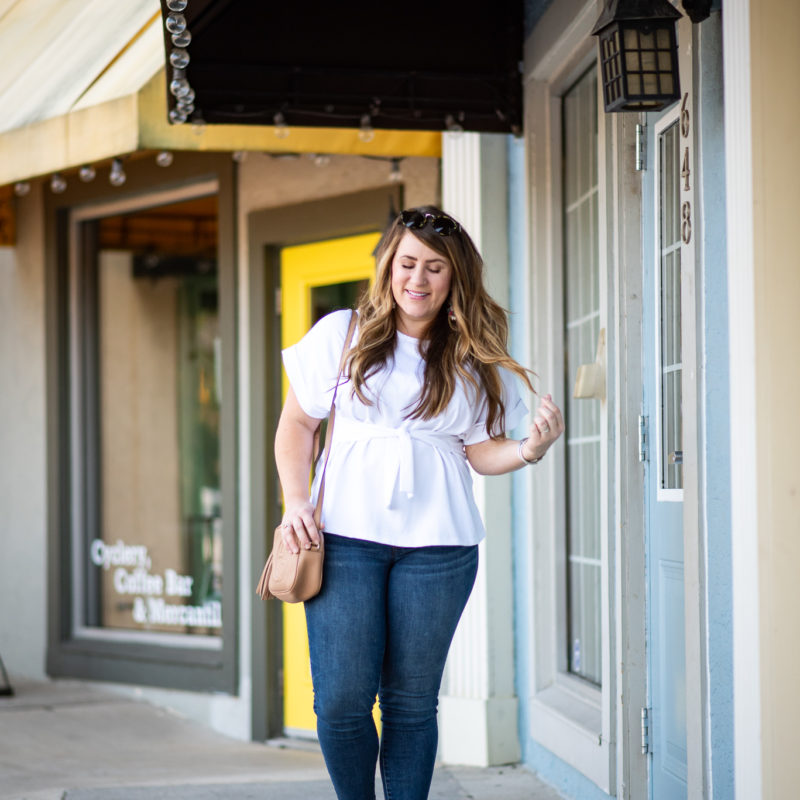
[{"x": 435, "y": 66}]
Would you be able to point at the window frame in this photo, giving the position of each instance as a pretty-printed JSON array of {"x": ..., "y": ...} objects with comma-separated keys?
[
  {"x": 199, "y": 663},
  {"x": 568, "y": 716},
  {"x": 663, "y": 494}
]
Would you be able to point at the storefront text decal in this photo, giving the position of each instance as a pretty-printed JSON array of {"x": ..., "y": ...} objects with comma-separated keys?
[{"x": 132, "y": 576}]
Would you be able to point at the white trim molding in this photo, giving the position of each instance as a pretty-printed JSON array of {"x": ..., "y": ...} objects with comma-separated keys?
[
  {"x": 572, "y": 719},
  {"x": 741, "y": 326}
]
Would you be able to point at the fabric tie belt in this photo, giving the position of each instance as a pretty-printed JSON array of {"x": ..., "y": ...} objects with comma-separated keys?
[{"x": 401, "y": 474}]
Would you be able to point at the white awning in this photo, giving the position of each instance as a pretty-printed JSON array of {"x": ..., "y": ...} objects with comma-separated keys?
[{"x": 56, "y": 53}]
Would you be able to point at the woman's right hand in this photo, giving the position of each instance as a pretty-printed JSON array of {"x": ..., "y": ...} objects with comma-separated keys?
[{"x": 298, "y": 528}]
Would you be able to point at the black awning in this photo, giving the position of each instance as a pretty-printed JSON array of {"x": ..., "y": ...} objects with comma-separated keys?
[{"x": 414, "y": 66}]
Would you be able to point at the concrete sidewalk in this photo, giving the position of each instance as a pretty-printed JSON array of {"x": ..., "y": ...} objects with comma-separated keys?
[{"x": 69, "y": 740}]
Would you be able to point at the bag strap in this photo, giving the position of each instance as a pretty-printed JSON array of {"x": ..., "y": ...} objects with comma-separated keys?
[{"x": 329, "y": 433}]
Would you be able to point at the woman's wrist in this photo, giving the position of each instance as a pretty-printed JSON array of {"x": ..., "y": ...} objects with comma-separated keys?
[{"x": 521, "y": 451}]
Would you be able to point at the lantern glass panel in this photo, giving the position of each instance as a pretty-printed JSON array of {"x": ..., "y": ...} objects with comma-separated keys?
[
  {"x": 631, "y": 39},
  {"x": 648, "y": 60},
  {"x": 634, "y": 84},
  {"x": 667, "y": 83},
  {"x": 664, "y": 61},
  {"x": 646, "y": 40},
  {"x": 662, "y": 37}
]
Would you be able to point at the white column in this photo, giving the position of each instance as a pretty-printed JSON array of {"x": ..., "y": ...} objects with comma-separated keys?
[{"x": 478, "y": 706}]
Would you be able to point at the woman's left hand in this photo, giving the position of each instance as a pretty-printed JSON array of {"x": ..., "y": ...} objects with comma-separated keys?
[{"x": 547, "y": 426}]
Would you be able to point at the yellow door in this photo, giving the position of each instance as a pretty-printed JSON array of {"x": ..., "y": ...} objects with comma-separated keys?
[{"x": 315, "y": 280}]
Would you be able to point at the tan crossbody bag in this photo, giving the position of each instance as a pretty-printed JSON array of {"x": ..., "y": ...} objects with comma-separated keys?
[{"x": 296, "y": 577}]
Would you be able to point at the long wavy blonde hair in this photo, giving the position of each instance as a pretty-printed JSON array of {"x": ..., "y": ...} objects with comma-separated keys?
[{"x": 469, "y": 348}]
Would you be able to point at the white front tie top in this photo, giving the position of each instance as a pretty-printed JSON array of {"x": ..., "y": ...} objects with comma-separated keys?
[{"x": 393, "y": 480}]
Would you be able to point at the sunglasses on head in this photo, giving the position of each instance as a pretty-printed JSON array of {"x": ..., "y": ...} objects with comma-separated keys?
[{"x": 443, "y": 225}]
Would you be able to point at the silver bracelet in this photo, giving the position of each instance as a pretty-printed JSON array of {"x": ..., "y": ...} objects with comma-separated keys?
[{"x": 522, "y": 455}]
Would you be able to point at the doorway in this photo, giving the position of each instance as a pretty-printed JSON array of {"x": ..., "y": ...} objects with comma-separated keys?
[
  {"x": 663, "y": 473},
  {"x": 315, "y": 279}
]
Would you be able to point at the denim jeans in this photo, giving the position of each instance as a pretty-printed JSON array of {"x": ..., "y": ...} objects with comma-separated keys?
[{"x": 383, "y": 624}]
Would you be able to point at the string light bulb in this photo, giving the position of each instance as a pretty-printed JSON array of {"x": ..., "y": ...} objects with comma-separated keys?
[
  {"x": 281, "y": 128},
  {"x": 239, "y": 156},
  {"x": 321, "y": 159},
  {"x": 57, "y": 183},
  {"x": 179, "y": 86},
  {"x": 22, "y": 188},
  {"x": 176, "y": 23},
  {"x": 177, "y": 5},
  {"x": 117, "y": 176},
  {"x": 179, "y": 58},
  {"x": 87, "y": 173},
  {"x": 164, "y": 158},
  {"x": 176, "y": 116},
  {"x": 182, "y": 39},
  {"x": 452, "y": 125},
  {"x": 366, "y": 133}
]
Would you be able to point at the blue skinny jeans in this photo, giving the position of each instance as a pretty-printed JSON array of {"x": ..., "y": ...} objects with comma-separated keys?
[{"x": 383, "y": 624}]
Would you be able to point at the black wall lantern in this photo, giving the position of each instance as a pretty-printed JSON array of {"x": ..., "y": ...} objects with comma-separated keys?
[{"x": 638, "y": 54}]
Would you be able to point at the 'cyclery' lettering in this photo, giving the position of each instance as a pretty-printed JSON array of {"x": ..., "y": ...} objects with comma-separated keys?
[{"x": 118, "y": 555}]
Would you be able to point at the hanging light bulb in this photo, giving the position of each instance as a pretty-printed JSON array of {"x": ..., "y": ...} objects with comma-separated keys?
[
  {"x": 321, "y": 159},
  {"x": 281, "y": 128},
  {"x": 179, "y": 86},
  {"x": 366, "y": 132},
  {"x": 179, "y": 58},
  {"x": 57, "y": 183},
  {"x": 176, "y": 116},
  {"x": 164, "y": 158},
  {"x": 117, "y": 176},
  {"x": 176, "y": 23},
  {"x": 451, "y": 125},
  {"x": 177, "y": 5},
  {"x": 22, "y": 188},
  {"x": 87, "y": 173},
  {"x": 395, "y": 176},
  {"x": 239, "y": 156},
  {"x": 182, "y": 39}
]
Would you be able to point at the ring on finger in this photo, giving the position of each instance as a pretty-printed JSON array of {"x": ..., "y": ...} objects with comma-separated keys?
[
  {"x": 286, "y": 525},
  {"x": 544, "y": 428}
]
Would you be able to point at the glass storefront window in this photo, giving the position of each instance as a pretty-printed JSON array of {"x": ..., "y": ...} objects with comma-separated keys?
[{"x": 151, "y": 335}]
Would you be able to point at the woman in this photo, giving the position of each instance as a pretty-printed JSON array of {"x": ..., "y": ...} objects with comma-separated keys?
[{"x": 429, "y": 389}]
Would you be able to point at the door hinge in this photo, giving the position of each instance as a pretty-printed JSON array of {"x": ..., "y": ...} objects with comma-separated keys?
[
  {"x": 645, "y": 731},
  {"x": 643, "y": 443},
  {"x": 641, "y": 144}
]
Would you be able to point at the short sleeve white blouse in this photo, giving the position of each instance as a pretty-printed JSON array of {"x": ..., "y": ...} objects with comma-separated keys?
[{"x": 390, "y": 479}]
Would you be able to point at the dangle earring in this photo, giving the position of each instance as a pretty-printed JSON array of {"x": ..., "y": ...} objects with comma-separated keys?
[{"x": 451, "y": 315}]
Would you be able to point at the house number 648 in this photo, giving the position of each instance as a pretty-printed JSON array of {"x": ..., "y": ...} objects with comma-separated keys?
[{"x": 686, "y": 206}]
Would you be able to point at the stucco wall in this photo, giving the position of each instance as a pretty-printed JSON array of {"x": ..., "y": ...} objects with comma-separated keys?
[{"x": 23, "y": 628}]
